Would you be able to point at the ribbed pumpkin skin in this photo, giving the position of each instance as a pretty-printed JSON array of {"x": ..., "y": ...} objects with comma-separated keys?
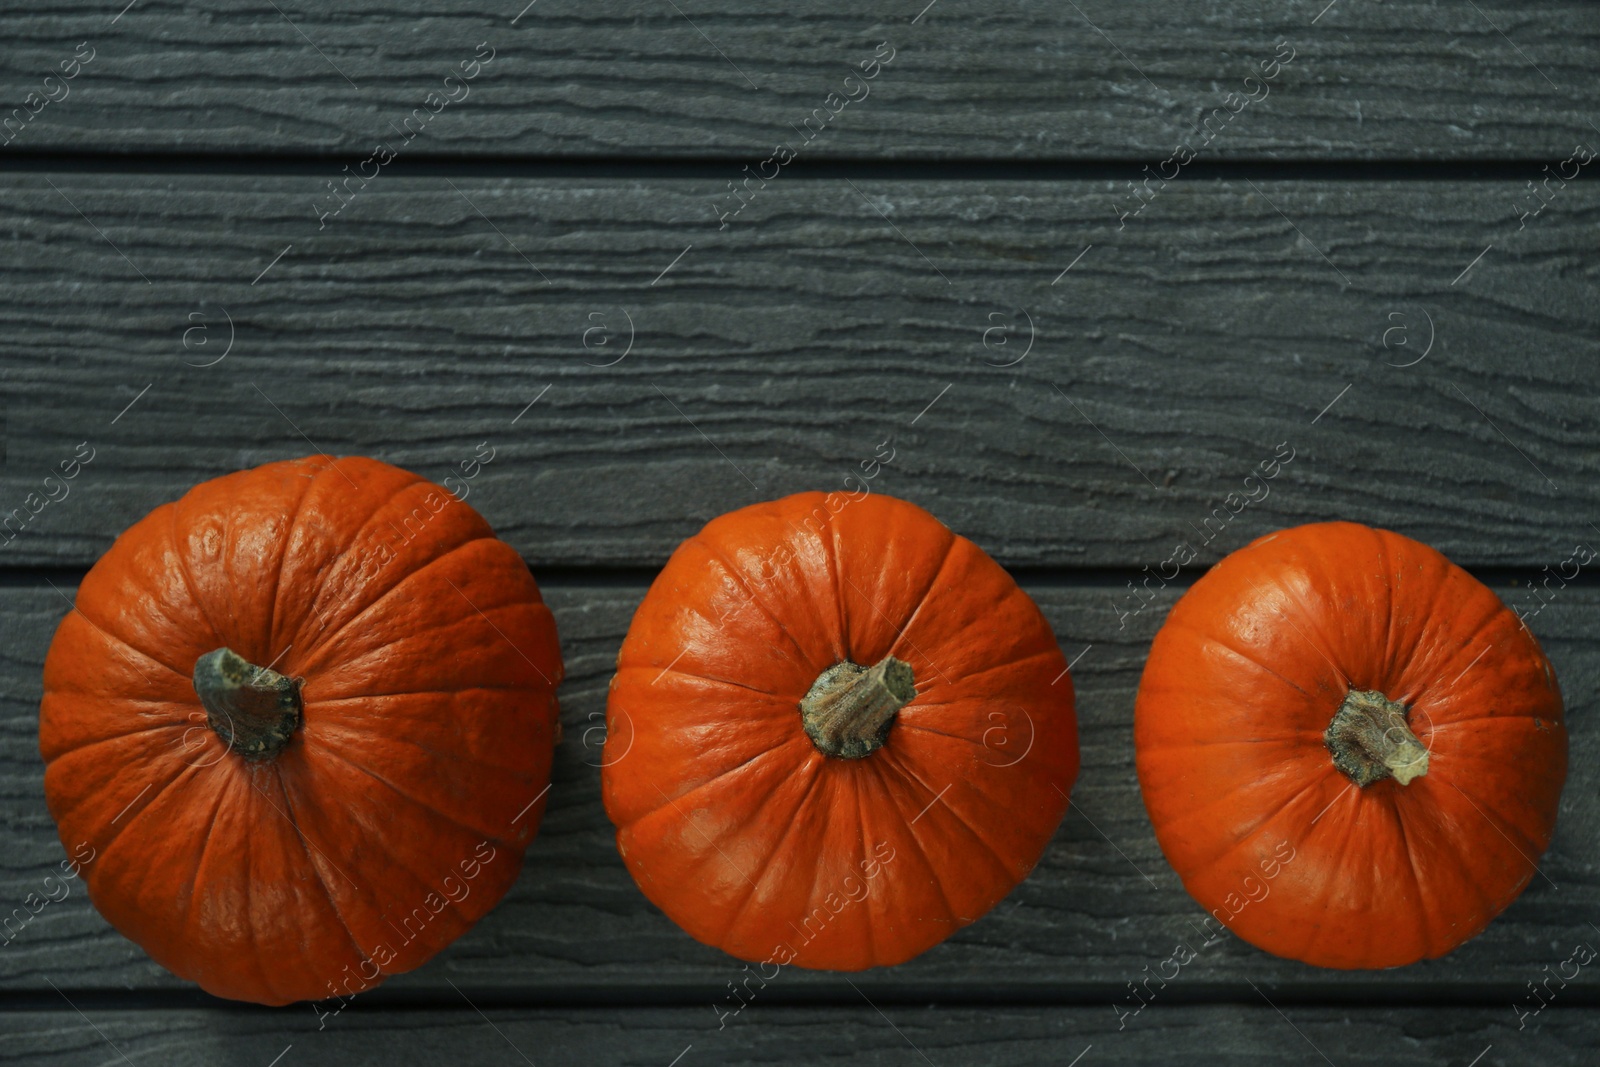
[
  {"x": 1240, "y": 686},
  {"x": 347, "y": 856},
  {"x": 731, "y": 820}
]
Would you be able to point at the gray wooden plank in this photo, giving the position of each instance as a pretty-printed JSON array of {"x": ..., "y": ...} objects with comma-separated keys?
[
  {"x": 1022, "y": 80},
  {"x": 1067, "y": 390},
  {"x": 1101, "y": 906},
  {"x": 1255, "y": 1034}
]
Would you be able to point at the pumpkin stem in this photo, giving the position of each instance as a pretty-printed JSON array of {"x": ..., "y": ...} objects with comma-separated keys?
[
  {"x": 1370, "y": 740},
  {"x": 849, "y": 709},
  {"x": 253, "y": 709}
]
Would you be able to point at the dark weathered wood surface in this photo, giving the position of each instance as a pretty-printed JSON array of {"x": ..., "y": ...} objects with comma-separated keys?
[
  {"x": 1091, "y": 416},
  {"x": 858, "y": 1035},
  {"x": 1101, "y": 906},
  {"x": 1091, "y": 80},
  {"x": 957, "y": 264}
]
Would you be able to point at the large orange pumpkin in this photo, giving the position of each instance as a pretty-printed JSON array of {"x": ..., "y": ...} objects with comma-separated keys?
[
  {"x": 1351, "y": 752},
  {"x": 837, "y": 733},
  {"x": 301, "y": 721}
]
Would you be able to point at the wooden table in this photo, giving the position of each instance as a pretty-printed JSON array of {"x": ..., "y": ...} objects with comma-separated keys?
[{"x": 1084, "y": 265}]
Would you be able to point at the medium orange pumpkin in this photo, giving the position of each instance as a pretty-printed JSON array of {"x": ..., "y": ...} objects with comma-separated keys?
[
  {"x": 1352, "y": 753},
  {"x": 837, "y": 733},
  {"x": 301, "y": 721}
]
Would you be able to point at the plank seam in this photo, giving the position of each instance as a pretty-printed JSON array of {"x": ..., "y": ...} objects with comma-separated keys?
[{"x": 718, "y": 167}]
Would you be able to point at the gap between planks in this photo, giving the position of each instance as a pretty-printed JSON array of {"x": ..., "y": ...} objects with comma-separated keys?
[
  {"x": 718, "y": 167},
  {"x": 395, "y": 997},
  {"x": 570, "y": 576}
]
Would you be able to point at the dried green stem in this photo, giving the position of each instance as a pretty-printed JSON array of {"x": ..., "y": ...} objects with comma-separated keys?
[
  {"x": 253, "y": 709},
  {"x": 849, "y": 709},
  {"x": 1370, "y": 740}
]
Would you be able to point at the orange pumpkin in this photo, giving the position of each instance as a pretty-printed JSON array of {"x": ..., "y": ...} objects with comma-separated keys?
[
  {"x": 1351, "y": 752},
  {"x": 301, "y": 723},
  {"x": 837, "y": 733}
]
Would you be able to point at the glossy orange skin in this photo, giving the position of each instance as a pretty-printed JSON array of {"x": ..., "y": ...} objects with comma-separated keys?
[
  {"x": 730, "y": 819},
  {"x": 389, "y": 823},
  {"x": 1240, "y": 686}
]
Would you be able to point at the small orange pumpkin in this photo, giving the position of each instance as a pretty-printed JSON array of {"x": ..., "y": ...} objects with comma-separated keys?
[
  {"x": 301, "y": 722},
  {"x": 837, "y": 733},
  {"x": 1352, "y": 753}
]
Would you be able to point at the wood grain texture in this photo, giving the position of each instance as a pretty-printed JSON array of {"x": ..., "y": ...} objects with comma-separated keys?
[
  {"x": 1255, "y": 1034},
  {"x": 1451, "y": 80},
  {"x": 1101, "y": 906},
  {"x": 1064, "y": 391}
]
